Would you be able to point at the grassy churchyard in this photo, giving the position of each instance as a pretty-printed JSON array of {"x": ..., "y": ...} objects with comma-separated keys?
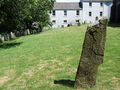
[{"x": 34, "y": 62}]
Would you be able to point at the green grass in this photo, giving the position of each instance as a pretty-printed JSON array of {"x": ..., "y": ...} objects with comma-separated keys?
[{"x": 33, "y": 62}]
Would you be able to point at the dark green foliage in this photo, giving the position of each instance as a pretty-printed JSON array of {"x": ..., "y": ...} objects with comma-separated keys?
[{"x": 20, "y": 14}]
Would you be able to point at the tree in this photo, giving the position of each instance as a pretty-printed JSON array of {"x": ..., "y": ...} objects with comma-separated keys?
[
  {"x": 17, "y": 14},
  {"x": 11, "y": 14},
  {"x": 39, "y": 13}
]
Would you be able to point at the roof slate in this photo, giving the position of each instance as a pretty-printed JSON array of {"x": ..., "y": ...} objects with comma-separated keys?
[{"x": 67, "y": 6}]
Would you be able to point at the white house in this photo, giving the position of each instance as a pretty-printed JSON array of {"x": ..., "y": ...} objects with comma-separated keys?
[{"x": 85, "y": 11}]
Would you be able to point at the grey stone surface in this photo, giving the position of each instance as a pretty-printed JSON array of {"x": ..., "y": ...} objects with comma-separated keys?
[
  {"x": 92, "y": 54},
  {"x": 6, "y": 37},
  {"x": 1, "y": 39},
  {"x": 12, "y": 35},
  {"x": 27, "y": 32}
]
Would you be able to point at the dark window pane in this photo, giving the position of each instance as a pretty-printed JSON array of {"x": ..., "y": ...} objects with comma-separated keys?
[
  {"x": 77, "y": 12},
  {"x": 101, "y": 4},
  {"x": 53, "y": 13},
  {"x": 90, "y": 13},
  {"x": 101, "y": 13},
  {"x": 53, "y": 21},
  {"x": 77, "y": 21},
  {"x": 65, "y": 12},
  {"x": 90, "y": 3},
  {"x": 65, "y": 21}
]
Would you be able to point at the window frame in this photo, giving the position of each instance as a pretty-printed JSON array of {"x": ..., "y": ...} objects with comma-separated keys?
[
  {"x": 65, "y": 21},
  {"x": 90, "y": 4},
  {"x": 101, "y": 13},
  {"x": 53, "y": 21},
  {"x": 65, "y": 12},
  {"x": 77, "y": 12},
  {"x": 90, "y": 13},
  {"x": 53, "y": 12},
  {"x": 101, "y": 4},
  {"x": 77, "y": 21}
]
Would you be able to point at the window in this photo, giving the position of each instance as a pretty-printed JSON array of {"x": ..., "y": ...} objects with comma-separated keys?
[
  {"x": 53, "y": 13},
  {"x": 90, "y": 13},
  {"x": 77, "y": 21},
  {"x": 77, "y": 12},
  {"x": 96, "y": 18},
  {"x": 90, "y": 3},
  {"x": 101, "y": 4},
  {"x": 101, "y": 13},
  {"x": 65, "y": 21},
  {"x": 53, "y": 21},
  {"x": 65, "y": 12}
]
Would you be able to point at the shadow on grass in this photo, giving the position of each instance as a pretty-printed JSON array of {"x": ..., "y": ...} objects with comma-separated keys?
[
  {"x": 68, "y": 83},
  {"x": 9, "y": 45}
]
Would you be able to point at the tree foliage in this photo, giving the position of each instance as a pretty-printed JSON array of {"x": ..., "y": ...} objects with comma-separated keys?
[{"x": 17, "y": 14}]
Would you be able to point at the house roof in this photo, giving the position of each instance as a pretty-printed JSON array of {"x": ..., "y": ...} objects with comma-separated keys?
[
  {"x": 67, "y": 6},
  {"x": 99, "y": 0}
]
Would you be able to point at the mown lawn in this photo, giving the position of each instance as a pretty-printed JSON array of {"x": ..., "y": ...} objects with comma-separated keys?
[{"x": 35, "y": 62}]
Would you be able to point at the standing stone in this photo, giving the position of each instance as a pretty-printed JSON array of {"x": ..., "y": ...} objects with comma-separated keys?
[{"x": 92, "y": 55}]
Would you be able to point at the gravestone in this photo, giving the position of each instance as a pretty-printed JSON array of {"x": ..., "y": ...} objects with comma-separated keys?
[
  {"x": 6, "y": 37},
  {"x": 17, "y": 33},
  {"x": 27, "y": 32},
  {"x": 34, "y": 31},
  {"x": 12, "y": 35},
  {"x": 1, "y": 39},
  {"x": 92, "y": 55},
  {"x": 21, "y": 32}
]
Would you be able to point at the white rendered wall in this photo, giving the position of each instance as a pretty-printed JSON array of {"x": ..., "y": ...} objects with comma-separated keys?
[
  {"x": 95, "y": 9},
  {"x": 60, "y": 17},
  {"x": 84, "y": 14}
]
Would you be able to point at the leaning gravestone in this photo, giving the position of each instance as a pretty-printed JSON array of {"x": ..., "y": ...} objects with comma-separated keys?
[
  {"x": 2, "y": 39},
  {"x": 92, "y": 55},
  {"x": 12, "y": 35}
]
